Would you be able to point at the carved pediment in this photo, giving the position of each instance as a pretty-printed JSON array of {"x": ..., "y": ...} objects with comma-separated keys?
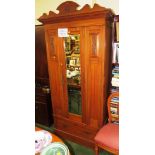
[
  {"x": 68, "y": 11},
  {"x": 67, "y": 7}
]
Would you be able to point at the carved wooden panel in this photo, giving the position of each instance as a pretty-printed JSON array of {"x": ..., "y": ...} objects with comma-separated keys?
[
  {"x": 68, "y": 12},
  {"x": 52, "y": 53},
  {"x": 52, "y": 40},
  {"x": 67, "y": 7},
  {"x": 94, "y": 44}
]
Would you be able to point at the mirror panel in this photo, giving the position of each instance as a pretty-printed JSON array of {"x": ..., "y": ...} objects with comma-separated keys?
[{"x": 73, "y": 73}]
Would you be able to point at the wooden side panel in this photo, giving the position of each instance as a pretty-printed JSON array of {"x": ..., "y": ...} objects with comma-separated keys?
[
  {"x": 95, "y": 47},
  {"x": 107, "y": 65}
]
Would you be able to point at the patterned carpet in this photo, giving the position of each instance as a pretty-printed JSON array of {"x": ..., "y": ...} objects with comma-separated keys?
[{"x": 75, "y": 149}]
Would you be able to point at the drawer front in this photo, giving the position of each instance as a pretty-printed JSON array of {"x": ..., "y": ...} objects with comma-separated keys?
[{"x": 75, "y": 129}]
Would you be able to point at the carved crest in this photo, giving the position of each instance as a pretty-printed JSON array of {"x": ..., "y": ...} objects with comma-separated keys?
[
  {"x": 67, "y": 7},
  {"x": 68, "y": 11}
]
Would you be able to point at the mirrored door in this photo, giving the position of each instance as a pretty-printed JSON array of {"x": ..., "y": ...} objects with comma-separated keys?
[{"x": 73, "y": 73}]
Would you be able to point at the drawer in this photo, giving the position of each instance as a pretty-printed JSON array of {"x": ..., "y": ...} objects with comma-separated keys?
[{"x": 75, "y": 129}]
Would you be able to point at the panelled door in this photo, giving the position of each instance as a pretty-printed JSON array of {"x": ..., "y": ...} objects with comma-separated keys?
[
  {"x": 66, "y": 57},
  {"x": 54, "y": 46}
]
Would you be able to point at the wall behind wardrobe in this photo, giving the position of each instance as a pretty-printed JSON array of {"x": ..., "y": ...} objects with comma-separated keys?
[{"x": 44, "y": 6}]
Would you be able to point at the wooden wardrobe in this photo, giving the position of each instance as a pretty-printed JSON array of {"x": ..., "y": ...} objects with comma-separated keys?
[
  {"x": 78, "y": 44},
  {"x": 43, "y": 108}
]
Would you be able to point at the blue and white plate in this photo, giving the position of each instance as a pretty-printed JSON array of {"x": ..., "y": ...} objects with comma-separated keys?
[{"x": 55, "y": 148}]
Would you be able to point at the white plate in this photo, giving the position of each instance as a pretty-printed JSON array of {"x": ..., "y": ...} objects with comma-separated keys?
[{"x": 42, "y": 139}]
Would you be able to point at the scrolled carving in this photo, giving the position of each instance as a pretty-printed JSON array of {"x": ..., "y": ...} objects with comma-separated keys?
[
  {"x": 68, "y": 11},
  {"x": 51, "y": 13},
  {"x": 86, "y": 8},
  {"x": 97, "y": 7},
  {"x": 67, "y": 7}
]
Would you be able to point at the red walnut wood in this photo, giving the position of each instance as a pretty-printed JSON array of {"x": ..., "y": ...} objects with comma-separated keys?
[
  {"x": 95, "y": 30},
  {"x": 67, "y": 7},
  {"x": 68, "y": 12}
]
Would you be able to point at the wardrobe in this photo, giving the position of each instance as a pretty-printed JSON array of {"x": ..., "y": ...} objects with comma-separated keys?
[
  {"x": 79, "y": 53},
  {"x": 43, "y": 107}
]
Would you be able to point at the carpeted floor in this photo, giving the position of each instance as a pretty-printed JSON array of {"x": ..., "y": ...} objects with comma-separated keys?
[{"x": 75, "y": 149}]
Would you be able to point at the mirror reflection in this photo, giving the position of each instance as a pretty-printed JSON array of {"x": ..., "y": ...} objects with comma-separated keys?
[{"x": 73, "y": 74}]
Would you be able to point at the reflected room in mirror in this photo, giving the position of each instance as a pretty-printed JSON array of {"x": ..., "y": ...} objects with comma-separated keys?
[{"x": 72, "y": 51}]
